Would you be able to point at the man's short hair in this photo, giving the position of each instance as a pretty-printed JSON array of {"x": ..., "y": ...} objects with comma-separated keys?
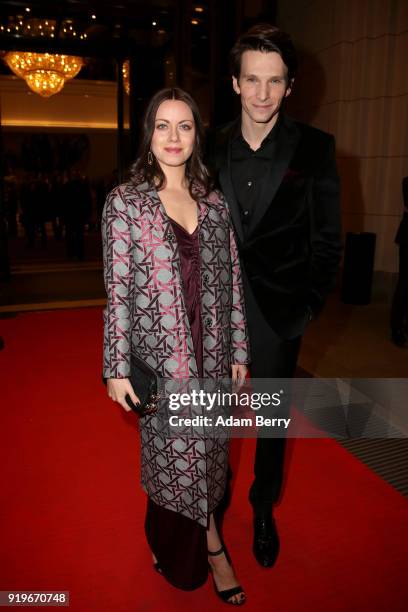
[{"x": 266, "y": 38}]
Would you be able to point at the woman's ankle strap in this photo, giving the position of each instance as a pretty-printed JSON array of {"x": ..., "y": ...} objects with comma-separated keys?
[{"x": 217, "y": 552}]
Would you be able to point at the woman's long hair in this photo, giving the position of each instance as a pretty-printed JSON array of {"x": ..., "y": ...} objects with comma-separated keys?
[{"x": 196, "y": 173}]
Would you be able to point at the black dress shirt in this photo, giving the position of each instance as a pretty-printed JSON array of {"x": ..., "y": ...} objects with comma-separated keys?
[{"x": 249, "y": 169}]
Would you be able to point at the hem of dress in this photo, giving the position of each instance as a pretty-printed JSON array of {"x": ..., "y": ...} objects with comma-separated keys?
[{"x": 174, "y": 583}]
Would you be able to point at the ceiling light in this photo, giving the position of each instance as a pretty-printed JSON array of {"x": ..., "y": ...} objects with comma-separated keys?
[
  {"x": 125, "y": 73},
  {"x": 44, "y": 73}
]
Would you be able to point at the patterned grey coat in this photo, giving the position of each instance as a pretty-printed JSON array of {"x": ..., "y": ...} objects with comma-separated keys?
[{"x": 146, "y": 314}]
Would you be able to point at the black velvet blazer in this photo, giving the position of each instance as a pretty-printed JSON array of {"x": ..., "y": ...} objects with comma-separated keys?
[{"x": 292, "y": 250}]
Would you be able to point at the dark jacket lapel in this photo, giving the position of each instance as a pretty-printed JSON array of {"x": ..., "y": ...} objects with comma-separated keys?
[
  {"x": 288, "y": 138},
  {"x": 223, "y": 164}
]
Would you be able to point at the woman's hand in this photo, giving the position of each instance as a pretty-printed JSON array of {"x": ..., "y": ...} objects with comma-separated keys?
[
  {"x": 239, "y": 372},
  {"x": 118, "y": 388}
]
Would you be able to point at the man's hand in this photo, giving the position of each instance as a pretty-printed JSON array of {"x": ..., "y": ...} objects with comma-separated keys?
[{"x": 118, "y": 388}]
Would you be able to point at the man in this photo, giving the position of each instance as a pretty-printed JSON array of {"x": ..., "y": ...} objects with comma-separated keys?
[{"x": 279, "y": 178}]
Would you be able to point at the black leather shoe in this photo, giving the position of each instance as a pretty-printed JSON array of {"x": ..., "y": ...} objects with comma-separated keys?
[{"x": 266, "y": 539}]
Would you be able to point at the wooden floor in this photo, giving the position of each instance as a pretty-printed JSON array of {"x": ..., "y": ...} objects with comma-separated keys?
[{"x": 352, "y": 341}]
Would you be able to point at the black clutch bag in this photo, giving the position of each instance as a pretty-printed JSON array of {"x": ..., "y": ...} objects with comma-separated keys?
[{"x": 146, "y": 384}]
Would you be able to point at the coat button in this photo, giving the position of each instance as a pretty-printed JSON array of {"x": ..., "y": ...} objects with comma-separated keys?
[
  {"x": 206, "y": 277},
  {"x": 208, "y": 322}
]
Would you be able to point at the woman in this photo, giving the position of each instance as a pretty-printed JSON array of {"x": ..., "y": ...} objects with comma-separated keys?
[{"x": 175, "y": 298}]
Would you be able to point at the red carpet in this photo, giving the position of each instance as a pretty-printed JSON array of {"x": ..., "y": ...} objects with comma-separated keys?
[{"x": 72, "y": 510}]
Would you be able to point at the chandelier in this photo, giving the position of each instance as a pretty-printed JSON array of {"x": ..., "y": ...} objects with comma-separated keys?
[
  {"x": 125, "y": 72},
  {"x": 44, "y": 73}
]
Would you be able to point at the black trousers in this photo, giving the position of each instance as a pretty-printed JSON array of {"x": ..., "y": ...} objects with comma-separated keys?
[{"x": 271, "y": 357}]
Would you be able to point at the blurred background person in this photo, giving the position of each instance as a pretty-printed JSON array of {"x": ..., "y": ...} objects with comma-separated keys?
[
  {"x": 399, "y": 308},
  {"x": 10, "y": 206},
  {"x": 55, "y": 204},
  {"x": 41, "y": 196},
  {"x": 77, "y": 207},
  {"x": 28, "y": 213}
]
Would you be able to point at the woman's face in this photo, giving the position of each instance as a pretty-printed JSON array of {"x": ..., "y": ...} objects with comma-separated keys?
[{"x": 174, "y": 133}]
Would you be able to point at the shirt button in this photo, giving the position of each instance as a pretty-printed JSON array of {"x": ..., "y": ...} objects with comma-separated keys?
[
  {"x": 206, "y": 277},
  {"x": 170, "y": 237},
  {"x": 208, "y": 322},
  {"x": 249, "y": 183},
  {"x": 246, "y": 213}
]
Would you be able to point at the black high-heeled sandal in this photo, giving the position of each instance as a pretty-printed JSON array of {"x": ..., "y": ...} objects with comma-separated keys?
[{"x": 227, "y": 593}]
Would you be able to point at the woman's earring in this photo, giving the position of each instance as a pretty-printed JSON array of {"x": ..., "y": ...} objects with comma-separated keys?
[{"x": 150, "y": 158}]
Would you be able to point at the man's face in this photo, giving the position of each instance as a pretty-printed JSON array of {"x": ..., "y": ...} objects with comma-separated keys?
[{"x": 262, "y": 85}]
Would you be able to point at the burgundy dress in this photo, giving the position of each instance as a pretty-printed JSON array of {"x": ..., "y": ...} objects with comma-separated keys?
[{"x": 179, "y": 543}]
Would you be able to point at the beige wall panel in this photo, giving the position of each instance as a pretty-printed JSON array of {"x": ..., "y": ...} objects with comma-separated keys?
[
  {"x": 346, "y": 121},
  {"x": 343, "y": 71},
  {"x": 371, "y": 186},
  {"x": 355, "y": 85},
  {"x": 386, "y": 252},
  {"x": 401, "y": 17},
  {"x": 356, "y": 19},
  {"x": 371, "y": 132},
  {"x": 397, "y": 67},
  {"x": 371, "y": 128},
  {"x": 310, "y": 23},
  {"x": 294, "y": 12},
  {"x": 396, "y": 127},
  {"x": 352, "y": 222},
  {"x": 361, "y": 69},
  {"x": 332, "y": 62},
  {"x": 381, "y": 185},
  {"x": 319, "y": 30},
  {"x": 352, "y": 201},
  {"x": 320, "y": 118},
  {"x": 332, "y": 111},
  {"x": 369, "y": 61}
]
